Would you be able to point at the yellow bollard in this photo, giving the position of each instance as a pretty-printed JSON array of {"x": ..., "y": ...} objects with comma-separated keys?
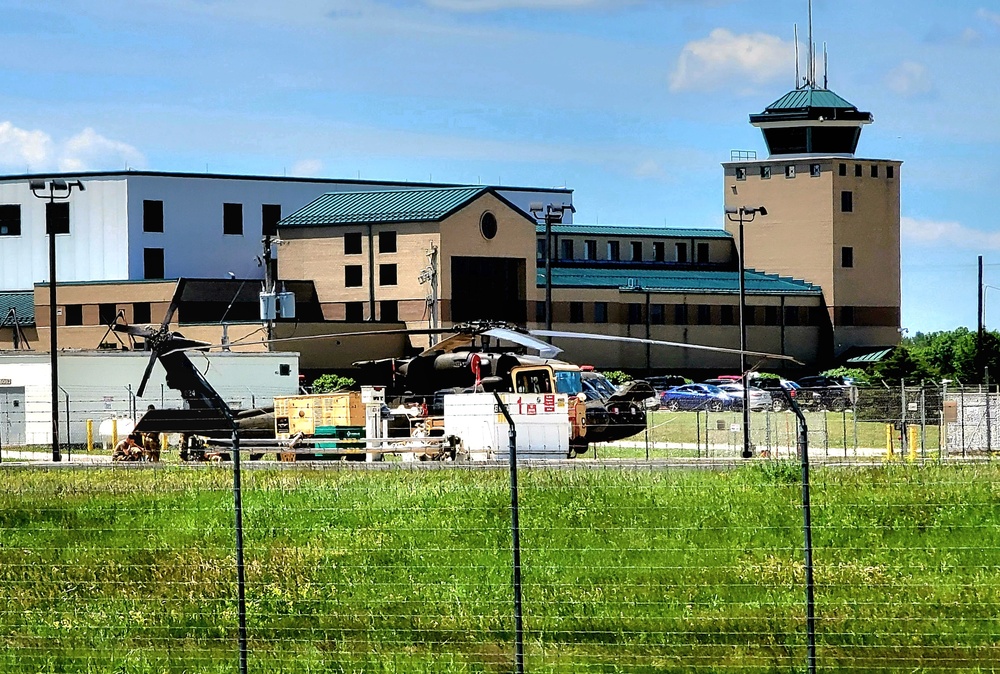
[
  {"x": 90, "y": 435},
  {"x": 913, "y": 444},
  {"x": 888, "y": 443},
  {"x": 114, "y": 432}
]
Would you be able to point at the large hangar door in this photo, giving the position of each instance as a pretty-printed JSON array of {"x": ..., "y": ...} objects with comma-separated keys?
[
  {"x": 488, "y": 288},
  {"x": 11, "y": 416}
]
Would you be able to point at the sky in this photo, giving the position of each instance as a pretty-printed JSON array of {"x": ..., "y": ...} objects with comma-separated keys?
[{"x": 634, "y": 104}]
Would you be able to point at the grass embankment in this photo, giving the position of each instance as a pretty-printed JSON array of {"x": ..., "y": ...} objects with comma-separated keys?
[{"x": 633, "y": 570}]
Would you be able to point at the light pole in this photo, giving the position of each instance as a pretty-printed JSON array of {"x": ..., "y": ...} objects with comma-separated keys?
[
  {"x": 744, "y": 214},
  {"x": 553, "y": 214},
  {"x": 58, "y": 190}
]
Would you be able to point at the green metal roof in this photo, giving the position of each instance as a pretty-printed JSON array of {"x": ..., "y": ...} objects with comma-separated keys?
[
  {"x": 628, "y": 230},
  {"x": 873, "y": 357},
  {"x": 369, "y": 207},
  {"x": 23, "y": 303},
  {"x": 668, "y": 280},
  {"x": 798, "y": 99}
]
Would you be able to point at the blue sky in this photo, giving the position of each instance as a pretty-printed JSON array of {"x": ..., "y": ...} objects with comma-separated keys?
[{"x": 632, "y": 103}]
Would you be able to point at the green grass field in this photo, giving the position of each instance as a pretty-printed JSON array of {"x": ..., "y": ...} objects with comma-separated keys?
[{"x": 625, "y": 570}]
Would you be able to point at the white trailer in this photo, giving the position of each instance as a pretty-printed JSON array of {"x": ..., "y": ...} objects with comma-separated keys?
[{"x": 541, "y": 421}]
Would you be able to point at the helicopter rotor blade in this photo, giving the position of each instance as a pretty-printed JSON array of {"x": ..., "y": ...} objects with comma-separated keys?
[
  {"x": 657, "y": 342},
  {"x": 145, "y": 374}
]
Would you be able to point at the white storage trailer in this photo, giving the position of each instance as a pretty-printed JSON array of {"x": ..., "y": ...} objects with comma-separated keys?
[
  {"x": 100, "y": 385},
  {"x": 541, "y": 422}
]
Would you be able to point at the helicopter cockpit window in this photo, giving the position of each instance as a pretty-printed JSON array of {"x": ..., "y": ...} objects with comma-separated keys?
[
  {"x": 568, "y": 381},
  {"x": 533, "y": 382}
]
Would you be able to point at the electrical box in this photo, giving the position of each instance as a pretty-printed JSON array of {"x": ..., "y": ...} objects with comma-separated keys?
[
  {"x": 268, "y": 306},
  {"x": 305, "y": 414},
  {"x": 286, "y": 305}
]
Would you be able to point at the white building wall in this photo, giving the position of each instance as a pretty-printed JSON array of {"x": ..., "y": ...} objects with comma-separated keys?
[{"x": 99, "y": 386}]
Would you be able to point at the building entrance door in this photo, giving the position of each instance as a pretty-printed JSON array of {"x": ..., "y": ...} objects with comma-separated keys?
[{"x": 11, "y": 416}]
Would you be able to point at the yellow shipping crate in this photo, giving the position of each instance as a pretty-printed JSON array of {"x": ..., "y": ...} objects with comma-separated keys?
[{"x": 304, "y": 413}]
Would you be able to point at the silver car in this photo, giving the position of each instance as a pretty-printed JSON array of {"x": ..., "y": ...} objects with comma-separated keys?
[{"x": 759, "y": 398}]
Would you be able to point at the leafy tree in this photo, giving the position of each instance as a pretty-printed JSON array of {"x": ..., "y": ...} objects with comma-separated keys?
[
  {"x": 327, "y": 383},
  {"x": 617, "y": 377},
  {"x": 903, "y": 364},
  {"x": 855, "y": 374}
]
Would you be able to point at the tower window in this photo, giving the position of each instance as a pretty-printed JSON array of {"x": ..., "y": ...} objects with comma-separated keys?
[
  {"x": 590, "y": 249},
  {"x": 680, "y": 314},
  {"x": 352, "y": 276},
  {"x": 729, "y": 314},
  {"x": 847, "y": 256},
  {"x": 637, "y": 251},
  {"x": 614, "y": 250},
  {"x": 765, "y": 172},
  {"x": 152, "y": 216},
  {"x": 152, "y": 263},
  {"x": 659, "y": 253},
  {"x": 352, "y": 243},
  {"x": 847, "y": 201},
  {"x": 681, "y": 252},
  {"x": 843, "y": 169},
  {"x": 657, "y": 314},
  {"x": 857, "y": 170},
  {"x": 704, "y": 314},
  {"x": 847, "y": 315},
  {"x": 576, "y": 312},
  {"x": 874, "y": 170},
  {"x": 600, "y": 312},
  {"x": 741, "y": 173},
  {"x": 387, "y": 274},
  {"x": 889, "y": 172},
  {"x": 10, "y": 220},
  {"x": 387, "y": 242},
  {"x": 270, "y": 215},
  {"x": 814, "y": 170},
  {"x": 567, "y": 249},
  {"x": 702, "y": 252},
  {"x": 232, "y": 219},
  {"x": 634, "y": 314}
]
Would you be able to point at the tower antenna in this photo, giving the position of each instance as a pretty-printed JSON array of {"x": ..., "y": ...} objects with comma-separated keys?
[
  {"x": 796, "y": 40},
  {"x": 812, "y": 57},
  {"x": 826, "y": 68}
]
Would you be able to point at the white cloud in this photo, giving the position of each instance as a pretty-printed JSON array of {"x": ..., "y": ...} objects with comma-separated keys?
[
  {"x": 909, "y": 78},
  {"x": 307, "y": 167},
  {"x": 936, "y": 232},
  {"x": 726, "y": 59},
  {"x": 987, "y": 15},
  {"x": 34, "y": 150}
]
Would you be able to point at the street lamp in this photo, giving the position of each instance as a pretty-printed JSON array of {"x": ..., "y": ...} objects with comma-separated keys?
[
  {"x": 553, "y": 214},
  {"x": 744, "y": 214},
  {"x": 58, "y": 190}
]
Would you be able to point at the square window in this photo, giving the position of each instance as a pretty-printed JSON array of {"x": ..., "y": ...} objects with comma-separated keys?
[
  {"x": 614, "y": 250},
  {"x": 771, "y": 315},
  {"x": 704, "y": 314},
  {"x": 57, "y": 217},
  {"x": 576, "y": 312},
  {"x": 637, "y": 251},
  {"x": 815, "y": 170},
  {"x": 792, "y": 316},
  {"x": 354, "y": 312},
  {"x": 765, "y": 172},
  {"x": 728, "y": 314},
  {"x": 152, "y": 263},
  {"x": 107, "y": 313},
  {"x": 790, "y": 171},
  {"x": 270, "y": 215},
  {"x": 857, "y": 170},
  {"x": 657, "y": 314},
  {"x": 232, "y": 219},
  {"x": 352, "y": 243},
  {"x": 74, "y": 315},
  {"x": 680, "y": 314},
  {"x": 847, "y": 201},
  {"x": 141, "y": 313},
  {"x": 387, "y": 242},
  {"x": 387, "y": 274},
  {"x": 874, "y": 170},
  {"x": 566, "y": 249},
  {"x": 388, "y": 311},
  {"x": 634, "y": 314},
  {"x": 10, "y": 220},
  {"x": 152, "y": 215},
  {"x": 681, "y": 252},
  {"x": 600, "y": 312},
  {"x": 889, "y": 172},
  {"x": 843, "y": 169},
  {"x": 659, "y": 251},
  {"x": 847, "y": 256},
  {"x": 590, "y": 249},
  {"x": 352, "y": 276},
  {"x": 741, "y": 173}
]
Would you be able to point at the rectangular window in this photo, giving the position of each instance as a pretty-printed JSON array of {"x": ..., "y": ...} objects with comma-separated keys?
[
  {"x": 387, "y": 242},
  {"x": 106, "y": 313},
  {"x": 141, "y": 313},
  {"x": 600, "y": 312},
  {"x": 741, "y": 173},
  {"x": 57, "y": 217},
  {"x": 576, "y": 312},
  {"x": 847, "y": 315},
  {"x": 814, "y": 170},
  {"x": 792, "y": 316},
  {"x": 681, "y": 252},
  {"x": 680, "y": 314},
  {"x": 657, "y": 314},
  {"x": 843, "y": 169},
  {"x": 354, "y": 312},
  {"x": 152, "y": 263},
  {"x": 387, "y": 274},
  {"x": 729, "y": 315},
  {"x": 388, "y": 311},
  {"x": 614, "y": 250},
  {"x": 634, "y": 314},
  {"x": 847, "y": 256},
  {"x": 352, "y": 276},
  {"x": 857, "y": 171},
  {"x": 890, "y": 172},
  {"x": 10, "y": 220},
  {"x": 352, "y": 243},
  {"x": 74, "y": 315},
  {"x": 540, "y": 312},
  {"x": 790, "y": 171},
  {"x": 637, "y": 251},
  {"x": 765, "y": 172},
  {"x": 704, "y": 314},
  {"x": 772, "y": 316},
  {"x": 540, "y": 249},
  {"x": 702, "y": 250},
  {"x": 874, "y": 170},
  {"x": 750, "y": 316},
  {"x": 659, "y": 251},
  {"x": 270, "y": 214},
  {"x": 590, "y": 249},
  {"x": 847, "y": 201},
  {"x": 232, "y": 219},
  {"x": 152, "y": 215},
  {"x": 566, "y": 249}
]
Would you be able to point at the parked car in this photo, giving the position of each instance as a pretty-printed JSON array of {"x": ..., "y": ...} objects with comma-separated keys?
[
  {"x": 663, "y": 382},
  {"x": 777, "y": 388},
  {"x": 696, "y": 397},
  {"x": 759, "y": 398},
  {"x": 827, "y": 393},
  {"x": 624, "y": 405}
]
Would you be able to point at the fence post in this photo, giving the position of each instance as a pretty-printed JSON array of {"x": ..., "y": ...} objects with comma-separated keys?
[
  {"x": 888, "y": 442},
  {"x": 912, "y": 456},
  {"x": 515, "y": 540},
  {"x": 923, "y": 424},
  {"x": 90, "y": 436}
]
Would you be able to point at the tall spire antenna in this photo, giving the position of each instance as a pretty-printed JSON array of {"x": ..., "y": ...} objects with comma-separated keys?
[
  {"x": 796, "y": 40},
  {"x": 812, "y": 57},
  {"x": 826, "y": 68}
]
